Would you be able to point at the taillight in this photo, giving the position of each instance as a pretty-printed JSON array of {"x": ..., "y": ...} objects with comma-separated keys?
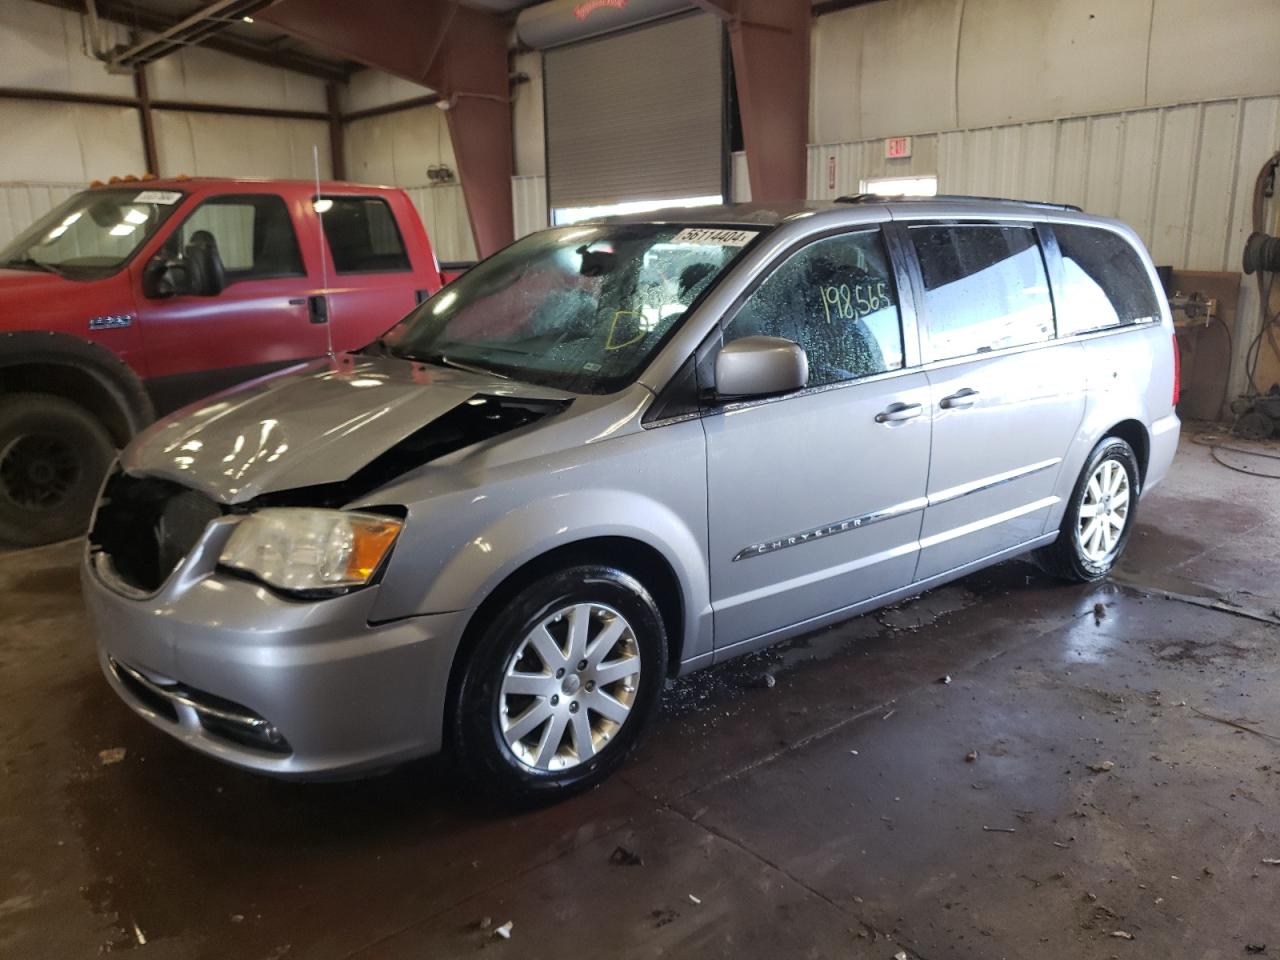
[{"x": 1177, "y": 370}]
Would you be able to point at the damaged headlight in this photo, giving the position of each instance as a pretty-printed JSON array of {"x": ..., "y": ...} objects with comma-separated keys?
[{"x": 305, "y": 550}]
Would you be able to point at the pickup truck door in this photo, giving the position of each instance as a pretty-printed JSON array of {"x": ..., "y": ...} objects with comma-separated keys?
[
  {"x": 270, "y": 314},
  {"x": 380, "y": 264}
]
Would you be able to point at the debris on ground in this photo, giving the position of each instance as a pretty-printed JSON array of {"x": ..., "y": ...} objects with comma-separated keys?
[
  {"x": 486, "y": 923},
  {"x": 662, "y": 917},
  {"x": 999, "y": 829},
  {"x": 137, "y": 930},
  {"x": 1099, "y": 613},
  {"x": 504, "y": 931},
  {"x": 900, "y": 955},
  {"x": 1122, "y": 934},
  {"x": 764, "y": 681},
  {"x": 694, "y": 900},
  {"x": 889, "y": 714},
  {"x": 1271, "y": 861},
  {"x": 112, "y": 755},
  {"x": 971, "y": 756},
  {"x": 945, "y": 679},
  {"x": 1106, "y": 766},
  {"x": 1255, "y": 948},
  {"x": 237, "y": 918},
  {"x": 622, "y": 857}
]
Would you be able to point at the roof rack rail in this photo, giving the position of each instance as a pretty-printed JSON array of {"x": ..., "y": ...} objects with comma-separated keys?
[{"x": 879, "y": 198}]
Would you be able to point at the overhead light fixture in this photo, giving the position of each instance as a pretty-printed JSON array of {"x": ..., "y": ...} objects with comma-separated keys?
[{"x": 247, "y": 19}]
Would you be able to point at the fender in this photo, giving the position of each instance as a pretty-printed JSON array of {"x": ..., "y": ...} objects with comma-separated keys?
[
  {"x": 514, "y": 538},
  {"x": 114, "y": 391}
]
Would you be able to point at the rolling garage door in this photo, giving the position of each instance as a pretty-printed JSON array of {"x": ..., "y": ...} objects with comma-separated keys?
[{"x": 637, "y": 115}]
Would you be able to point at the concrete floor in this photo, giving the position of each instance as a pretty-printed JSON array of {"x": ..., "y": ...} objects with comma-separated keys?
[{"x": 834, "y": 814}]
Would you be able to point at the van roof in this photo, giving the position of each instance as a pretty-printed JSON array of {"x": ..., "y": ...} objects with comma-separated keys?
[{"x": 769, "y": 215}]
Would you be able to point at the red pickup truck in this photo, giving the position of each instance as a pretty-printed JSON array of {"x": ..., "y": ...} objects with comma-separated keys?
[{"x": 137, "y": 297}]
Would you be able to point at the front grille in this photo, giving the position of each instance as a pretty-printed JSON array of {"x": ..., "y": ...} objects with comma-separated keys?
[{"x": 146, "y": 525}]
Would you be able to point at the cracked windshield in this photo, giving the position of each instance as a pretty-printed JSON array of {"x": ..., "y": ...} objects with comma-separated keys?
[{"x": 579, "y": 308}]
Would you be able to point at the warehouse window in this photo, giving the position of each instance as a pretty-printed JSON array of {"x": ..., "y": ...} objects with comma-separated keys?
[
  {"x": 253, "y": 235},
  {"x": 902, "y": 186},
  {"x": 985, "y": 288},
  {"x": 362, "y": 235},
  {"x": 564, "y": 216},
  {"x": 835, "y": 298},
  {"x": 1106, "y": 283}
]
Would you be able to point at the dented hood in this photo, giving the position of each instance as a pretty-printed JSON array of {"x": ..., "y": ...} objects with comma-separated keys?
[{"x": 315, "y": 424}]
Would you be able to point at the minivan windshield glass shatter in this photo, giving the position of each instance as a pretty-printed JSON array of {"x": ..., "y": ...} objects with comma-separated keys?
[
  {"x": 580, "y": 308},
  {"x": 93, "y": 234}
]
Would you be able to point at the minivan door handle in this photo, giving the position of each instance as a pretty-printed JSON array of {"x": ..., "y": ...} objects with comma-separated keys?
[
  {"x": 960, "y": 399},
  {"x": 897, "y": 412},
  {"x": 318, "y": 308}
]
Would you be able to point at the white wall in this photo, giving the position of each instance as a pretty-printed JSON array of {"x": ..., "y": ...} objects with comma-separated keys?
[
  {"x": 920, "y": 66},
  {"x": 1158, "y": 112},
  {"x": 50, "y": 149},
  {"x": 397, "y": 148}
]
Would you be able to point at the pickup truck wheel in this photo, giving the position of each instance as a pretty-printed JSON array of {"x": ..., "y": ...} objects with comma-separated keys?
[
  {"x": 53, "y": 456},
  {"x": 1099, "y": 516},
  {"x": 559, "y": 686}
]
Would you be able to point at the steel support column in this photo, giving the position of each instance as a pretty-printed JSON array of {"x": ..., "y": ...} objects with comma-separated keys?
[
  {"x": 458, "y": 52},
  {"x": 770, "y": 41}
]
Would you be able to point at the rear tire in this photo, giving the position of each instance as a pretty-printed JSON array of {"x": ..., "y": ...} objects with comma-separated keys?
[
  {"x": 1099, "y": 516},
  {"x": 53, "y": 456},
  {"x": 584, "y": 638}
]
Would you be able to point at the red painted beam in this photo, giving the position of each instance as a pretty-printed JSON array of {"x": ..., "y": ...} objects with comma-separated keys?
[
  {"x": 458, "y": 52},
  {"x": 770, "y": 41}
]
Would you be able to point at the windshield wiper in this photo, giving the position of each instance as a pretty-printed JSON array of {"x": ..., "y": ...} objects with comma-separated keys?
[
  {"x": 440, "y": 360},
  {"x": 28, "y": 262}
]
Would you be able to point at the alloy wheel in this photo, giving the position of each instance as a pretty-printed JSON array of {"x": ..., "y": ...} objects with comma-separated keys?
[
  {"x": 1103, "y": 512},
  {"x": 569, "y": 687}
]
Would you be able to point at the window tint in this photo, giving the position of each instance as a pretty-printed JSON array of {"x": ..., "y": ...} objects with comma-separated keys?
[
  {"x": 253, "y": 235},
  {"x": 836, "y": 299},
  {"x": 1105, "y": 282},
  {"x": 363, "y": 236},
  {"x": 985, "y": 288}
]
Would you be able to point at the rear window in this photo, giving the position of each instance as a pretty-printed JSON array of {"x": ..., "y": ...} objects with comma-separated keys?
[
  {"x": 362, "y": 235},
  {"x": 985, "y": 288},
  {"x": 1105, "y": 282}
]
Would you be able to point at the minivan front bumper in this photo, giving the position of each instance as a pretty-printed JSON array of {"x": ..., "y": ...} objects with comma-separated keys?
[{"x": 294, "y": 689}]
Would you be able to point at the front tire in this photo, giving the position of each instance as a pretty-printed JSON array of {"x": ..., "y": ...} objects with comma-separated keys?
[
  {"x": 53, "y": 456},
  {"x": 560, "y": 685},
  {"x": 1099, "y": 516}
]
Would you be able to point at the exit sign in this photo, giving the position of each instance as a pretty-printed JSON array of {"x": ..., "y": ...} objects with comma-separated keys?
[{"x": 897, "y": 147}]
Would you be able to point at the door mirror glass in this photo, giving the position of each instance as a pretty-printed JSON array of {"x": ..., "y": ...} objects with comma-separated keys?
[{"x": 760, "y": 366}]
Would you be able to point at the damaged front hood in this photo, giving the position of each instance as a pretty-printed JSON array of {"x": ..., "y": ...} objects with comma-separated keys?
[{"x": 314, "y": 425}]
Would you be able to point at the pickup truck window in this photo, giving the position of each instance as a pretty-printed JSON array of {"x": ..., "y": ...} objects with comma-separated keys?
[
  {"x": 93, "y": 234},
  {"x": 362, "y": 235},
  {"x": 253, "y": 234},
  {"x": 580, "y": 308}
]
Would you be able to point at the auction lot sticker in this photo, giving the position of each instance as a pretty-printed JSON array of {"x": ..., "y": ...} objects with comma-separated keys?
[{"x": 715, "y": 235}]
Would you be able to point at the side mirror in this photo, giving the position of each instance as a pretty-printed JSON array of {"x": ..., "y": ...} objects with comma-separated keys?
[
  {"x": 164, "y": 278},
  {"x": 759, "y": 366}
]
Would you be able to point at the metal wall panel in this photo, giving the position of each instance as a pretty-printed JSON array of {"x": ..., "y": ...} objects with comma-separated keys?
[
  {"x": 444, "y": 213},
  {"x": 22, "y": 203},
  {"x": 529, "y": 200},
  {"x": 1182, "y": 176}
]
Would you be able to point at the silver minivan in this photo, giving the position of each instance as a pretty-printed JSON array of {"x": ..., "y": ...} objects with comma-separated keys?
[{"x": 617, "y": 452}]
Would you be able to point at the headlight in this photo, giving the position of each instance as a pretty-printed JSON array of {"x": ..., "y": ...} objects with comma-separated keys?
[{"x": 301, "y": 549}]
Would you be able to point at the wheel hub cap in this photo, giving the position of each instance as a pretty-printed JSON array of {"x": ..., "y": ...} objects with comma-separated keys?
[
  {"x": 37, "y": 471},
  {"x": 1104, "y": 511},
  {"x": 569, "y": 687}
]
